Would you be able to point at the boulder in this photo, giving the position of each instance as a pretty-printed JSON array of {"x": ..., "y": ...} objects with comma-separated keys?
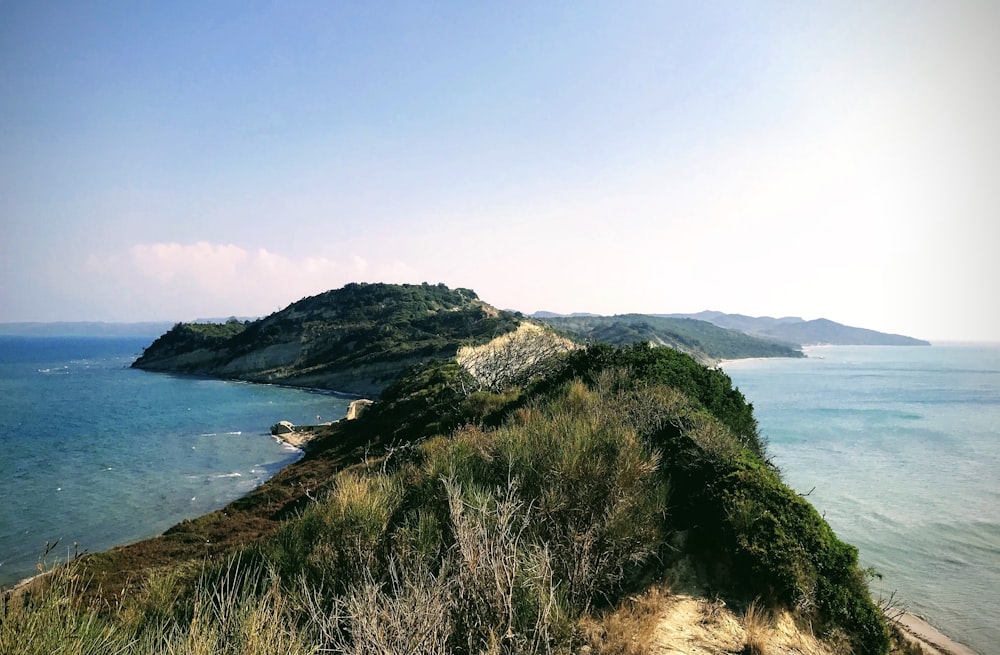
[
  {"x": 357, "y": 408},
  {"x": 282, "y": 427}
]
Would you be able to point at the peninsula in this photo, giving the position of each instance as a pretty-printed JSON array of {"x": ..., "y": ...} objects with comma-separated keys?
[{"x": 510, "y": 491}]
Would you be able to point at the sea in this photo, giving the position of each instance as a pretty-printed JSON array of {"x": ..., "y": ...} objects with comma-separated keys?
[
  {"x": 898, "y": 447},
  {"x": 95, "y": 454}
]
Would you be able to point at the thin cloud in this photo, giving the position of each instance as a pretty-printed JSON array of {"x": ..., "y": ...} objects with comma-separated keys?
[{"x": 213, "y": 279}]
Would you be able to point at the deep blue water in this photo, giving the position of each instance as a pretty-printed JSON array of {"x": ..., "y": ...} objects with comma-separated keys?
[
  {"x": 96, "y": 453},
  {"x": 902, "y": 446}
]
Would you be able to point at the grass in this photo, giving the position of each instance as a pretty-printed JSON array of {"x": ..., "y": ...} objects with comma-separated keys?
[{"x": 756, "y": 622}]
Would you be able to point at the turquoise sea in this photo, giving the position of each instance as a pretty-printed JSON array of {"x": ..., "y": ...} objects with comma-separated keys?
[
  {"x": 99, "y": 454},
  {"x": 899, "y": 448}
]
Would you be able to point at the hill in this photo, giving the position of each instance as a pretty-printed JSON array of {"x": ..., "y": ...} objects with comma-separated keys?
[
  {"x": 700, "y": 339},
  {"x": 456, "y": 516},
  {"x": 356, "y": 339},
  {"x": 359, "y": 338},
  {"x": 793, "y": 329}
]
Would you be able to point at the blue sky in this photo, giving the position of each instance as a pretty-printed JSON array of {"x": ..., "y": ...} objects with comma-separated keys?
[{"x": 165, "y": 161}]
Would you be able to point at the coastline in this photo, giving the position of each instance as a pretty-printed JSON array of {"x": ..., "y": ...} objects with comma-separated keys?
[
  {"x": 301, "y": 436},
  {"x": 930, "y": 639},
  {"x": 911, "y": 627}
]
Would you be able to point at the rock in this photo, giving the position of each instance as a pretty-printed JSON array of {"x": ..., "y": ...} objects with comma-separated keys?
[
  {"x": 282, "y": 427},
  {"x": 357, "y": 408}
]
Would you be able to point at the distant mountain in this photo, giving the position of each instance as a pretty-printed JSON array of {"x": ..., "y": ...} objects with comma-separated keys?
[
  {"x": 747, "y": 324},
  {"x": 544, "y": 314},
  {"x": 793, "y": 329},
  {"x": 84, "y": 329},
  {"x": 700, "y": 339},
  {"x": 356, "y": 339}
]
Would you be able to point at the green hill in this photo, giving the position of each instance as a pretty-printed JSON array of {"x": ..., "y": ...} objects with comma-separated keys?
[
  {"x": 700, "y": 339},
  {"x": 356, "y": 339}
]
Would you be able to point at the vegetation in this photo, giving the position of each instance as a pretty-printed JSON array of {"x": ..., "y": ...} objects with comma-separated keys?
[
  {"x": 493, "y": 520},
  {"x": 792, "y": 329},
  {"x": 700, "y": 339},
  {"x": 360, "y": 338},
  {"x": 356, "y": 339}
]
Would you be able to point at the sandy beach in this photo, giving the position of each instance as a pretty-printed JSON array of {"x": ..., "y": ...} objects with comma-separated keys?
[{"x": 930, "y": 638}]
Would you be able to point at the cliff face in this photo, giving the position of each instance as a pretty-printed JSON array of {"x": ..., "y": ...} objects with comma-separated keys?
[{"x": 356, "y": 339}]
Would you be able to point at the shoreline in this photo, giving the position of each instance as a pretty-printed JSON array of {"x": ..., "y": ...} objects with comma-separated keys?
[
  {"x": 300, "y": 436},
  {"x": 934, "y": 642}
]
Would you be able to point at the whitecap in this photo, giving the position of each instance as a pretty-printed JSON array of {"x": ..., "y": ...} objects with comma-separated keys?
[{"x": 228, "y": 475}]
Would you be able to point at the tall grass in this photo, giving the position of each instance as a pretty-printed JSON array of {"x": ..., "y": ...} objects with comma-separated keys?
[{"x": 47, "y": 616}]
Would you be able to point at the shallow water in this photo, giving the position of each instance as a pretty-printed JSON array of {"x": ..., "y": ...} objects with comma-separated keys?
[
  {"x": 100, "y": 454},
  {"x": 900, "y": 448}
]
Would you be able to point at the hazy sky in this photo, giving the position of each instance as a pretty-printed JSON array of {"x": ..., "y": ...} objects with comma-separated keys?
[{"x": 171, "y": 160}]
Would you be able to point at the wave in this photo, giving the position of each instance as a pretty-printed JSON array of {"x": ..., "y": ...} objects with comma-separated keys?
[
  {"x": 228, "y": 475},
  {"x": 59, "y": 370}
]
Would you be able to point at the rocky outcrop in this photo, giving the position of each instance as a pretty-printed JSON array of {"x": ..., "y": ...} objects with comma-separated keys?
[
  {"x": 282, "y": 427},
  {"x": 357, "y": 408}
]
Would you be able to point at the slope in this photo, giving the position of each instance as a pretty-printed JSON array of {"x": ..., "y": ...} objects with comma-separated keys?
[
  {"x": 700, "y": 339},
  {"x": 356, "y": 339}
]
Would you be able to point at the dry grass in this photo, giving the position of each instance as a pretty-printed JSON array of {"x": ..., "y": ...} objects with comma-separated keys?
[
  {"x": 756, "y": 624},
  {"x": 629, "y": 629},
  {"x": 658, "y": 622}
]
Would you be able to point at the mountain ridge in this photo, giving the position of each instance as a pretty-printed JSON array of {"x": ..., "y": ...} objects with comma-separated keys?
[{"x": 788, "y": 329}]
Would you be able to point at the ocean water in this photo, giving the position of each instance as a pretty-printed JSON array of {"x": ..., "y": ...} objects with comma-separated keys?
[
  {"x": 96, "y": 453},
  {"x": 900, "y": 449}
]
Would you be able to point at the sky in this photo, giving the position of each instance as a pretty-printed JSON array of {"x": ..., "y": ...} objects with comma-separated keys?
[{"x": 170, "y": 161}]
